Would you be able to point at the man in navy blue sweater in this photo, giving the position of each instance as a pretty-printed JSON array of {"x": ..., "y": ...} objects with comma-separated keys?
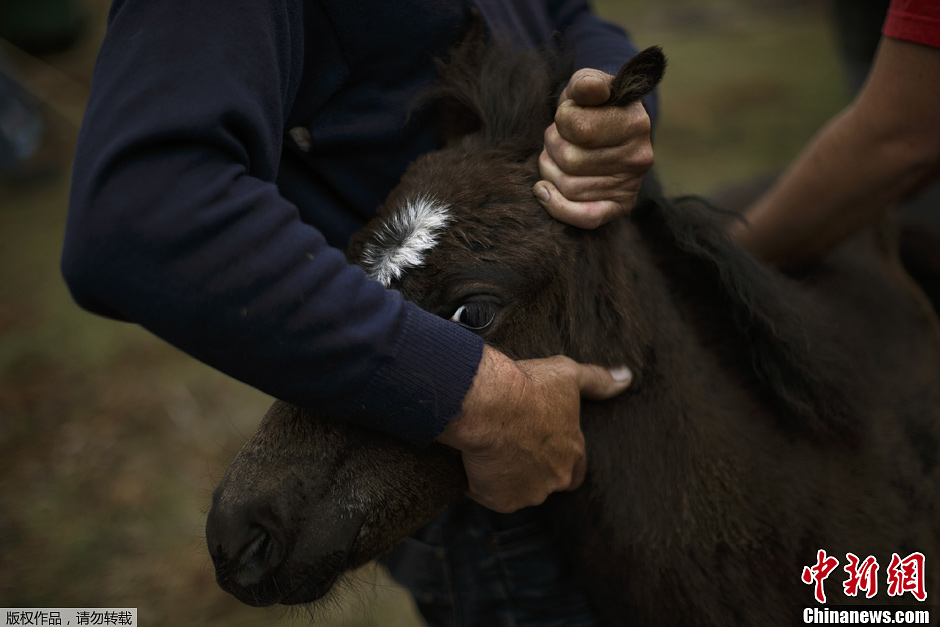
[{"x": 229, "y": 151}]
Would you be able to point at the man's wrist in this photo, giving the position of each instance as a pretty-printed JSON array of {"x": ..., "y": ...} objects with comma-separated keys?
[{"x": 497, "y": 383}]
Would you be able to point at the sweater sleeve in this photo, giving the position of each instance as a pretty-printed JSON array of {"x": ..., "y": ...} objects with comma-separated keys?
[{"x": 175, "y": 223}]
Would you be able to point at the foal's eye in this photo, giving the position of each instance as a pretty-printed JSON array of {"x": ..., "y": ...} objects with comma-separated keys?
[{"x": 474, "y": 315}]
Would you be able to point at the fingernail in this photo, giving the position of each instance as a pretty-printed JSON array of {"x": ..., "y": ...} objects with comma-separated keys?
[
  {"x": 621, "y": 374},
  {"x": 542, "y": 194}
]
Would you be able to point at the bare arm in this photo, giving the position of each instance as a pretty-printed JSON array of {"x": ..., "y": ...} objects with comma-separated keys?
[
  {"x": 879, "y": 149},
  {"x": 520, "y": 431}
]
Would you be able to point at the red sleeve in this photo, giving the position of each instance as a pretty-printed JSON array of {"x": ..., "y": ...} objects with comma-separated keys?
[{"x": 914, "y": 20}]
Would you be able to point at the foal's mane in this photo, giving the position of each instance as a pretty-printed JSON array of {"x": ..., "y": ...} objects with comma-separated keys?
[{"x": 741, "y": 308}]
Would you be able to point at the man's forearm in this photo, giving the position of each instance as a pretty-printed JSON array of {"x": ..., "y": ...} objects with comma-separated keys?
[{"x": 874, "y": 153}]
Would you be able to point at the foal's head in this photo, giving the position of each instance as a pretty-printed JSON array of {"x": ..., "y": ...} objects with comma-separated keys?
[{"x": 462, "y": 235}]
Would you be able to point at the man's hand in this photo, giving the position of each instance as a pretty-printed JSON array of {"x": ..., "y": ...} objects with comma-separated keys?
[
  {"x": 595, "y": 157},
  {"x": 520, "y": 431}
]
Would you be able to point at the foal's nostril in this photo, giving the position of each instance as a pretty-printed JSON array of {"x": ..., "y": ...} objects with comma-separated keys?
[
  {"x": 245, "y": 551},
  {"x": 258, "y": 559}
]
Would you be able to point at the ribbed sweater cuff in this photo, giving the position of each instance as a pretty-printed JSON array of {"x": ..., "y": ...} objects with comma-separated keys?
[{"x": 420, "y": 387}]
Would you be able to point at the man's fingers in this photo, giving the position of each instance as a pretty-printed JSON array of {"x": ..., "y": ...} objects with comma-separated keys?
[
  {"x": 575, "y": 160},
  {"x": 620, "y": 188},
  {"x": 599, "y": 127},
  {"x": 589, "y": 88},
  {"x": 515, "y": 496},
  {"x": 584, "y": 215},
  {"x": 507, "y": 494},
  {"x": 578, "y": 474}
]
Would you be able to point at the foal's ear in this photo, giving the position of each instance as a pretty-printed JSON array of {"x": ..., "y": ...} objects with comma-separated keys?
[
  {"x": 472, "y": 30},
  {"x": 457, "y": 75},
  {"x": 457, "y": 121},
  {"x": 638, "y": 77}
]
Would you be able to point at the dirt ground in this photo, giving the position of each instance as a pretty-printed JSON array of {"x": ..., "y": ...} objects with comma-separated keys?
[{"x": 111, "y": 441}]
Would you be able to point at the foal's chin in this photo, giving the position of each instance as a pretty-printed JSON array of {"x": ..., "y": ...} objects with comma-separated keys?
[{"x": 323, "y": 576}]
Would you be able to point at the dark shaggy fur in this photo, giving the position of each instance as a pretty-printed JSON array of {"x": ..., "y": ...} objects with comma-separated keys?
[{"x": 813, "y": 378}]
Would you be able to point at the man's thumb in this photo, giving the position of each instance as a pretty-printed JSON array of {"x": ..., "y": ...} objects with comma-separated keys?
[
  {"x": 599, "y": 384},
  {"x": 590, "y": 89}
]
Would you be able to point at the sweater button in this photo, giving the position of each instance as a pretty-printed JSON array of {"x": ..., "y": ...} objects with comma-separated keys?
[{"x": 301, "y": 137}]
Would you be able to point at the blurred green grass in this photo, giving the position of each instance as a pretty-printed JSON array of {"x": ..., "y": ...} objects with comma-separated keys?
[
  {"x": 747, "y": 84},
  {"x": 111, "y": 441}
]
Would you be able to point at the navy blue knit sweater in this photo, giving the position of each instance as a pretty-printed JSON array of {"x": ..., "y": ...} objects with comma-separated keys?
[{"x": 190, "y": 216}]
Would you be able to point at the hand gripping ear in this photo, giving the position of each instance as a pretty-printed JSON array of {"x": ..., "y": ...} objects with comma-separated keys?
[{"x": 638, "y": 77}]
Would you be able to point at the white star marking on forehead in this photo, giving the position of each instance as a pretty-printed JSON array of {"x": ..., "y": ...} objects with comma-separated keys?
[{"x": 405, "y": 238}]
